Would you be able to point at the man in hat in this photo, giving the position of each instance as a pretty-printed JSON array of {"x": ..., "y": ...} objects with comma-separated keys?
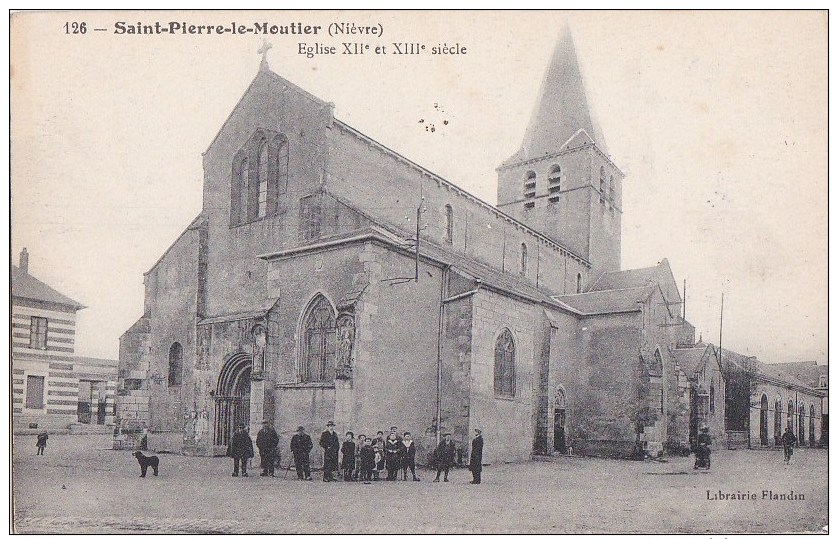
[
  {"x": 789, "y": 439},
  {"x": 331, "y": 446},
  {"x": 444, "y": 456},
  {"x": 475, "y": 461},
  {"x": 241, "y": 449},
  {"x": 267, "y": 441},
  {"x": 300, "y": 447}
]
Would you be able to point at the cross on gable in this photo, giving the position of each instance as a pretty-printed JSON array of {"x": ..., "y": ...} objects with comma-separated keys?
[{"x": 263, "y": 50}]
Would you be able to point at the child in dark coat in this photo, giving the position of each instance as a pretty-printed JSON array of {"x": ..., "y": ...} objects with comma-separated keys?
[
  {"x": 347, "y": 451},
  {"x": 367, "y": 461},
  {"x": 41, "y": 444}
]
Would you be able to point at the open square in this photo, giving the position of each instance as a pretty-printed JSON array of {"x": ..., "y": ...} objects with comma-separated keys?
[{"x": 80, "y": 485}]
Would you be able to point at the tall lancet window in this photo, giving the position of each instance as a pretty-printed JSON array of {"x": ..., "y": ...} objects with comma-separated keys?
[
  {"x": 529, "y": 189},
  {"x": 263, "y": 179},
  {"x": 611, "y": 189},
  {"x": 505, "y": 365},
  {"x": 449, "y": 224},
  {"x": 244, "y": 184},
  {"x": 524, "y": 259},
  {"x": 603, "y": 184},
  {"x": 555, "y": 183}
]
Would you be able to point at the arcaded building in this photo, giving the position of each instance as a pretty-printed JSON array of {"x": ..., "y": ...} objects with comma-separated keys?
[{"x": 301, "y": 294}]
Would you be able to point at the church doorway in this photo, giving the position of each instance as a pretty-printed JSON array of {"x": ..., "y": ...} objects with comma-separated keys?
[
  {"x": 232, "y": 398},
  {"x": 559, "y": 424},
  {"x": 763, "y": 421}
]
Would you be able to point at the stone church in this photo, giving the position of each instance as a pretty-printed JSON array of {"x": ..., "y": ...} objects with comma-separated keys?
[{"x": 299, "y": 295}]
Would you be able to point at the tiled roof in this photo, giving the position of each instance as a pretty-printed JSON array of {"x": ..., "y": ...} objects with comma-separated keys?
[
  {"x": 26, "y": 286},
  {"x": 608, "y": 301},
  {"x": 631, "y": 278},
  {"x": 808, "y": 372},
  {"x": 770, "y": 372},
  {"x": 692, "y": 359}
]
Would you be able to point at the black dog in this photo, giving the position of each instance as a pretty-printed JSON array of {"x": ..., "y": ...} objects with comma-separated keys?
[{"x": 145, "y": 462}]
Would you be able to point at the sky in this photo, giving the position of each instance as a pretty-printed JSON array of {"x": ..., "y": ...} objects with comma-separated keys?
[{"x": 717, "y": 119}]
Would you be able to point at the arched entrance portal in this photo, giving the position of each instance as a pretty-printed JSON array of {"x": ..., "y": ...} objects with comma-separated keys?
[
  {"x": 559, "y": 419},
  {"x": 763, "y": 421},
  {"x": 232, "y": 397}
]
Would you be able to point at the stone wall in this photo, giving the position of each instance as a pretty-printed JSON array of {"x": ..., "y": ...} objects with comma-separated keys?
[
  {"x": 388, "y": 188},
  {"x": 507, "y": 422}
]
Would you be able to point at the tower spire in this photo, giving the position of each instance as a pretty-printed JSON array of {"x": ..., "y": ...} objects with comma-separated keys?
[{"x": 562, "y": 108}]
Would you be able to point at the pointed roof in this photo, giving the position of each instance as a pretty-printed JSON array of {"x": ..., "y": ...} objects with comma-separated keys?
[
  {"x": 607, "y": 301},
  {"x": 562, "y": 108},
  {"x": 661, "y": 274},
  {"x": 28, "y": 287}
]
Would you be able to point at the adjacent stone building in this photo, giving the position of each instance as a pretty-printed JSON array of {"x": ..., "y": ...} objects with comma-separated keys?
[
  {"x": 53, "y": 389},
  {"x": 302, "y": 294},
  {"x": 763, "y": 399}
]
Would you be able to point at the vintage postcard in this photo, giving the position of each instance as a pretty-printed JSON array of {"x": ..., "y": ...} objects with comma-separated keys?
[{"x": 484, "y": 271}]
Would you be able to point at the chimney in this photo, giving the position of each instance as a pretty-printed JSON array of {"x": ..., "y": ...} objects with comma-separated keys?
[{"x": 24, "y": 261}]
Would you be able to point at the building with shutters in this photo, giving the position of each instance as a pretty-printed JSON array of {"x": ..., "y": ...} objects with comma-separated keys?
[{"x": 52, "y": 388}]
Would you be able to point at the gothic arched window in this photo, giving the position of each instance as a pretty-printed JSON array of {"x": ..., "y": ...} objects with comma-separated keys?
[
  {"x": 264, "y": 173},
  {"x": 318, "y": 346},
  {"x": 505, "y": 365},
  {"x": 449, "y": 224},
  {"x": 524, "y": 259},
  {"x": 578, "y": 283},
  {"x": 611, "y": 189},
  {"x": 175, "y": 365}
]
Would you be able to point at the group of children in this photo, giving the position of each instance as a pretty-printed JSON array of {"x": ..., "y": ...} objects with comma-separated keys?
[{"x": 371, "y": 457}]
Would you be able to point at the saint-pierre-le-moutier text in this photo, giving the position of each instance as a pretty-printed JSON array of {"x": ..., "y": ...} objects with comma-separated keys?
[{"x": 257, "y": 28}]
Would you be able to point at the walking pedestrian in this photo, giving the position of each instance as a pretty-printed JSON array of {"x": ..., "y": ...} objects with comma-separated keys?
[
  {"x": 41, "y": 444},
  {"x": 444, "y": 456},
  {"x": 408, "y": 457},
  {"x": 241, "y": 449},
  {"x": 331, "y": 446},
  {"x": 347, "y": 450},
  {"x": 301, "y": 445},
  {"x": 788, "y": 439},
  {"x": 475, "y": 461},
  {"x": 267, "y": 440},
  {"x": 392, "y": 455}
]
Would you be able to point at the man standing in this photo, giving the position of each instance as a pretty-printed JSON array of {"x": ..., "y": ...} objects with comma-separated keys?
[
  {"x": 331, "y": 446},
  {"x": 241, "y": 449},
  {"x": 41, "y": 444},
  {"x": 267, "y": 441},
  {"x": 444, "y": 456},
  {"x": 788, "y": 439},
  {"x": 475, "y": 461},
  {"x": 300, "y": 447}
]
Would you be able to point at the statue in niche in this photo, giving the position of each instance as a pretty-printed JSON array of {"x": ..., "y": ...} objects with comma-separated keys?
[
  {"x": 260, "y": 337},
  {"x": 345, "y": 335}
]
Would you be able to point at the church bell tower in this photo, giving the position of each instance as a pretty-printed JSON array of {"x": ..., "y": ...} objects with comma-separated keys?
[{"x": 562, "y": 181}]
